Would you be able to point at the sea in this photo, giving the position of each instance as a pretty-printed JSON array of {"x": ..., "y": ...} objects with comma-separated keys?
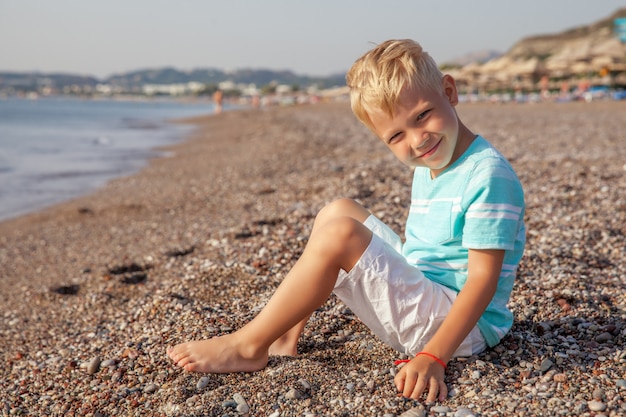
[{"x": 56, "y": 149}]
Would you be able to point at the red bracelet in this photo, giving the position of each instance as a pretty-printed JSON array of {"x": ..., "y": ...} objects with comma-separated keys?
[{"x": 430, "y": 355}]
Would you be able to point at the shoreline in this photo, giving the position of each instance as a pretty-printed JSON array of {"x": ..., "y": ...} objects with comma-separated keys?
[
  {"x": 76, "y": 147},
  {"x": 193, "y": 244}
]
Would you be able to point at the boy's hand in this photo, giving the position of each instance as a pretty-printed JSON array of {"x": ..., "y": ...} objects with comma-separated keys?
[{"x": 419, "y": 375}]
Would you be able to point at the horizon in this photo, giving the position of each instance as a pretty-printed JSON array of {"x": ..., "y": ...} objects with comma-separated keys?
[
  {"x": 136, "y": 70},
  {"x": 104, "y": 40}
]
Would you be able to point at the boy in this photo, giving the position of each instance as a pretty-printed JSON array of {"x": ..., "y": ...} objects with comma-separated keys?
[{"x": 442, "y": 293}]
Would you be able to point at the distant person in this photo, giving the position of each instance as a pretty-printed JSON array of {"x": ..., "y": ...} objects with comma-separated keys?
[
  {"x": 256, "y": 101},
  {"x": 218, "y": 98},
  {"x": 440, "y": 294},
  {"x": 544, "y": 85}
]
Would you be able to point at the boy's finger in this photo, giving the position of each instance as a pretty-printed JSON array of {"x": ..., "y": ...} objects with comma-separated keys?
[
  {"x": 443, "y": 391},
  {"x": 399, "y": 381},
  {"x": 407, "y": 384},
  {"x": 415, "y": 391},
  {"x": 433, "y": 389}
]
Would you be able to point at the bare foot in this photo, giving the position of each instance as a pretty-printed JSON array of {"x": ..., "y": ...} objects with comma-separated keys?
[
  {"x": 217, "y": 355},
  {"x": 283, "y": 347}
]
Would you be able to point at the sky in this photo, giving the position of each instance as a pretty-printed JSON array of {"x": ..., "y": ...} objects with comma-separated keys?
[{"x": 318, "y": 38}]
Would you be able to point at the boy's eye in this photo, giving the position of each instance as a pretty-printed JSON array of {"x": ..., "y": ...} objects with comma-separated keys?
[
  {"x": 423, "y": 115},
  {"x": 393, "y": 138}
]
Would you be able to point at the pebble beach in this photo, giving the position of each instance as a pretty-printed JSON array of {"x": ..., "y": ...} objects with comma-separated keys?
[{"x": 94, "y": 290}]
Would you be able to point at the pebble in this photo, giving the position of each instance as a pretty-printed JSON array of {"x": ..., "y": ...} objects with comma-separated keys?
[
  {"x": 546, "y": 364},
  {"x": 93, "y": 365},
  {"x": 463, "y": 412},
  {"x": 151, "y": 388},
  {"x": 440, "y": 409},
  {"x": 598, "y": 394},
  {"x": 414, "y": 412},
  {"x": 242, "y": 405},
  {"x": 108, "y": 363},
  {"x": 305, "y": 384},
  {"x": 470, "y": 394},
  {"x": 202, "y": 383},
  {"x": 293, "y": 394},
  {"x": 604, "y": 337},
  {"x": 595, "y": 405},
  {"x": 229, "y": 404}
]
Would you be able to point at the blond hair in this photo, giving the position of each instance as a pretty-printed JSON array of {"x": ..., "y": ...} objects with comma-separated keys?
[{"x": 377, "y": 78}]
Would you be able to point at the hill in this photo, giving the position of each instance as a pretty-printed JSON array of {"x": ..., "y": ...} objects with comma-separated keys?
[
  {"x": 50, "y": 83},
  {"x": 592, "y": 52},
  {"x": 259, "y": 77}
]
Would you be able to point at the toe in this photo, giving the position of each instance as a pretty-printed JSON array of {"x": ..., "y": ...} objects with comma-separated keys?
[{"x": 181, "y": 363}]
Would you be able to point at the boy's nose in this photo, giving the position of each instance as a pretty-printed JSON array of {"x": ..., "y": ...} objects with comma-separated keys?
[{"x": 419, "y": 141}]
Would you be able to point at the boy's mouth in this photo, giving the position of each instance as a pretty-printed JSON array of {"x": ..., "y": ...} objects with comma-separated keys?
[{"x": 431, "y": 151}]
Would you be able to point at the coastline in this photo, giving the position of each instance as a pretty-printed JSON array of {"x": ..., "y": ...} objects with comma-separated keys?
[
  {"x": 194, "y": 243},
  {"x": 58, "y": 148}
]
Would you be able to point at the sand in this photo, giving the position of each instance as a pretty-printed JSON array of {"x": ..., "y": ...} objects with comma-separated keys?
[{"x": 93, "y": 290}]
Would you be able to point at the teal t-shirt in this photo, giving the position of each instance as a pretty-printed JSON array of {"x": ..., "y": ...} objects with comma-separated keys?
[{"x": 476, "y": 203}]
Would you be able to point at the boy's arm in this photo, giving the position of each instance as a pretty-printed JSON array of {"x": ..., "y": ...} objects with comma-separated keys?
[{"x": 422, "y": 372}]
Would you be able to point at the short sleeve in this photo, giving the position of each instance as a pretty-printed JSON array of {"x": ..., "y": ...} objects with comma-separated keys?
[{"x": 494, "y": 206}]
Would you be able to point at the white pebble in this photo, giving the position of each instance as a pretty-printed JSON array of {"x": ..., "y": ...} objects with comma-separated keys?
[
  {"x": 596, "y": 405},
  {"x": 150, "y": 388},
  {"x": 414, "y": 412},
  {"x": 242, "y": 405},
  {"x": 93, "y": 365},
  {"x": 109, "y": 363},
  {"x": 203, "y": 382},
  {"x": 463, "y": 412},
  {"x": 293, "y": 394}
]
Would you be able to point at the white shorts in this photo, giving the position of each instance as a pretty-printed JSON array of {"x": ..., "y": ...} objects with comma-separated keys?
[{"x": 394, "y": 299}]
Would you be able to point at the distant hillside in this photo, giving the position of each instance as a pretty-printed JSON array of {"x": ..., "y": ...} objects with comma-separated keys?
[
  {"x": 548, "y": 45},
  {"x": 259, "y": 77},
  {"x": 135, "y": 79},
  {"x": 474, "y": 57},
  {"x": 34, "y": 81},
  {"x": 592, "y": 52}
]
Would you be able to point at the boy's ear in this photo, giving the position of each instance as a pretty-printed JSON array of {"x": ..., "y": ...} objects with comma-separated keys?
[{"x": 449, "y": 89}]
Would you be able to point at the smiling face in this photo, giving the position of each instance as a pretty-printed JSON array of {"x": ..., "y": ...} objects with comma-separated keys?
[{"x": 424, "y": 130}]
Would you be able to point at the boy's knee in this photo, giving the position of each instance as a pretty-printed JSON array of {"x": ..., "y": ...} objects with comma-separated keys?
[
  {"x": 343, "y": 233},
  {"x": 337, "y": 206},
  {"x": 343, "y": 207}
]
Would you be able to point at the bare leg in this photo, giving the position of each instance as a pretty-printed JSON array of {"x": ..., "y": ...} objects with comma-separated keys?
[
  {"x": 287, "y": 344},
  {"x": 336, "y": 243}
]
